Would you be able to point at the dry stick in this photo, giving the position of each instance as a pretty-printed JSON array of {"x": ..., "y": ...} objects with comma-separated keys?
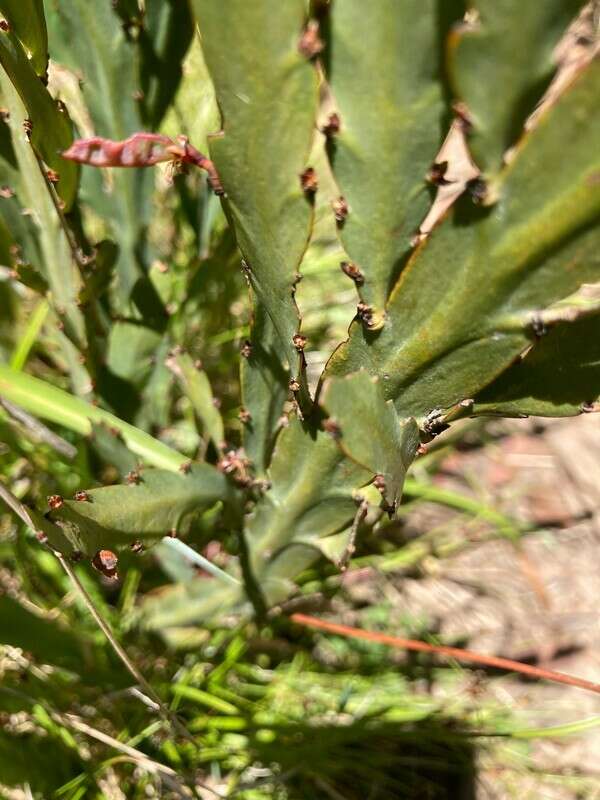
[
  {"x": 141, "y": 759},
  {"x": 450, "y": 652},
  {"x": 39, "y": 430}
]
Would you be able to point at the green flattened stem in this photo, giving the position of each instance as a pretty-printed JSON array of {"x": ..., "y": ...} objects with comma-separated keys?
[
  {"x": 507, "y": 44},
  {"x": 369, "y": 432},
  {"x": 267, "y": 95},
  {"x": 450, "y": 320},
  {"x": 388, "y": 93}
]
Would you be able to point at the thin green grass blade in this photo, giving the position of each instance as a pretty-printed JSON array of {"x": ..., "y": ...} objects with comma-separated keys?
[{"x": 48, "y": 402}]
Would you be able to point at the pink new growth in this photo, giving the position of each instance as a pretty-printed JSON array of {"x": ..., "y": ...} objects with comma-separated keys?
[{"x": 141, "y": 150}]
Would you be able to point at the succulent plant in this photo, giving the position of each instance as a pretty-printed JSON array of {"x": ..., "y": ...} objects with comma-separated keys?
[{"x": 492, "y": 308}]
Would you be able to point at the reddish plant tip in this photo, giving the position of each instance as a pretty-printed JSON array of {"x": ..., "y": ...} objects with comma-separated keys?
[
  {"x": 133, "y": 478},
  {"x": 309, "y": 181},
  {"x": 55, "y": 501},
  {"x": 299, "y": 340},
  {"x": 81, "y": 497},
  {"x": 52, "y": 176},
  {"x": 105, "y": 561},
  {"x": 142, "y": 150},
  {"x": 310, "y": 43},
  {"x": 332, "y": 126},
  {"x": 340, "y": 210},
  {"x": 422, "y": 450},
  {"x": 137, "y": 546},
  {"x": 41, "y": 537},
  {"x": 4, "y": 26},
  {"x": 352, "y": 271}
]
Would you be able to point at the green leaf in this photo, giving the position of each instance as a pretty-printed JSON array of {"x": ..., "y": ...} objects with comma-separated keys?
[
  {"x": 26, "y": 18},
  {"x": 48, "y": 402},
  {"x": 267, "y": 95},
  {"x": 387, "y": 89},
  {"x": 500, "y": 63},
  {"x": 369, "y": 431},
  {"x": 51, "y": 131},
  {"x": 450, "y": 326},
  {"x": 196, "y": 386},
  {"x": 161, "y": 502}
]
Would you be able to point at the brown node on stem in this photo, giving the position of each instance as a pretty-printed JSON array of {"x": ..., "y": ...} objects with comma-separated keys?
[
  {"x": 55, "y": 501},
  {"x": 81, "y": 497},
  {"x": 294, "y": 385},
  {"x": 299, "y": 340},
  {"x": 133, "y": 477},
  {"x": 436, "y": 174},
  {"x": 310, "y": 43},
  {"x": 365, "y": 314},
  {"x": 244, "y": 415},
  {"x": 136, "y": 546},
  {"x": 352, "y": 271},
  {"x": 379, "y": 483},
  {"x": 52, "y": 175},
  {"x": 332, "y": 126},
  {"x": 340, "y": 210},
  {"x": 41, "y": 537},
  {"x": 235, "y": 463},
  {"x": 477, "y": 189},
  {"x": 309, "y": 181},
  {"x": 186, "y": 467},
  {"x": 246, "y": 349},
  {"x": 105, "y": 561}
]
